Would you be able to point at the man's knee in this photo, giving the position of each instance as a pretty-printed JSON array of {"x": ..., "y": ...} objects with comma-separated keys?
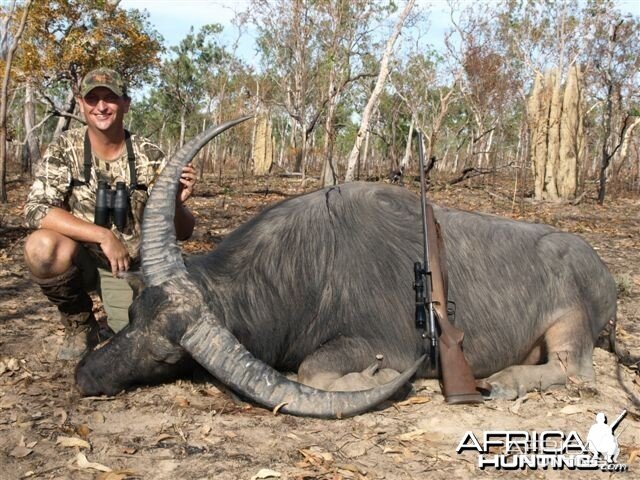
[{"x": 48, "y": 253}]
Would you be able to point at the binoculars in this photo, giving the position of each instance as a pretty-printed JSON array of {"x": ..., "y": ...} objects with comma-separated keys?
[{"x": 112, "y": 205}]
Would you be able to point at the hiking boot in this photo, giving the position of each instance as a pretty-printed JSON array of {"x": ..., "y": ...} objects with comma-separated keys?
[
  {"x": 82, "y": 331},
  {"x": 80, "y": 337}
]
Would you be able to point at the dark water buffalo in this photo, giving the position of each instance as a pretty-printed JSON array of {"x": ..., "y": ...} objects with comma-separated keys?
[{"x": 321, "y": 284}]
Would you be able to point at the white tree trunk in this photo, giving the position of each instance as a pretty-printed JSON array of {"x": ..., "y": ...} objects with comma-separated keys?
[
  {"x": 63, "y": 122},
  {"x": 487, "y": 149},
  {"x": 4, "y": 92},
  {"x": 366, "y": 151},
  {"x": 406, "y": 159},
  {"x": 623, "y": 151},
  {"x": 329, "y": 175},
  {"x": 352, "y": 162},
  {"x": 32, "y": 142}
]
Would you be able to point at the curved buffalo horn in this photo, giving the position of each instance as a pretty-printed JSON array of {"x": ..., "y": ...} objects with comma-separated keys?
[
  {"x": 216, "y": 349},
  {"x": 161, "y": 259}
]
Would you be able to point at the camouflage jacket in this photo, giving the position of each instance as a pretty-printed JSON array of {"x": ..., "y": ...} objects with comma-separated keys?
[{"x": 64, "y": 161}]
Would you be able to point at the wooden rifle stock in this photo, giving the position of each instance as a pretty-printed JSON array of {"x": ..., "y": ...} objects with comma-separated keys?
[{"x": 458, "y": 383}]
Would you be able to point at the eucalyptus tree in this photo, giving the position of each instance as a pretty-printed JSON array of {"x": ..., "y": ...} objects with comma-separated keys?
[
  {"x": 183, "y": 75},
  {"x": 9, "y": 47},
  {"x": 67, "y": 38},
  {"x": 199, "y": 81},
  {"x": 491, "y": 76},
  {"x": 428, "y": 87},
  {"x": 548, "y": 41},
  {"x": 381, "y": 80},
  {"x": 290, "y": 59},
  {"x": 348, "y": 39},
  {"x": 502, "y": 53},
  {"x": 150, "y": 116},
  {"x": 312, "y": 55},
  {"x": 64, "y": 39},
  {"x": 613, "y": 79}
]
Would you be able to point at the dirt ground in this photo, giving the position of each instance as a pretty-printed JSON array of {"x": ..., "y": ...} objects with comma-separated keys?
[{"x": 193, "y": 430}]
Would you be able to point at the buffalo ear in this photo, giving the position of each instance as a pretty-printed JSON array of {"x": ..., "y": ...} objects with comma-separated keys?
[{"x": 135, "y": 281}]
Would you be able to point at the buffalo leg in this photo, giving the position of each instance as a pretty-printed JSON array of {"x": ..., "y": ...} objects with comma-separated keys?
[
  {"x": 345, "y": 364},
  {"x": 569, "y": 346}
]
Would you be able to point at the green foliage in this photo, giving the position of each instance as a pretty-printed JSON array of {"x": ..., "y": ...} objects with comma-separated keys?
[
  {"x": 64, "y": 39},
  {"x": 316, "y": 59},
  {"x": 316, "y": 62},
  {"x": 199, "y": 82}
]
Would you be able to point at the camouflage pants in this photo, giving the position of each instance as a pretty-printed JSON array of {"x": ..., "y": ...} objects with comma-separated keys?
[{"x": 115, "y": 293}]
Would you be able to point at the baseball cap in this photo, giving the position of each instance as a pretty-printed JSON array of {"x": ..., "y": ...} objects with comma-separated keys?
[{"x": 103, "y": 77}]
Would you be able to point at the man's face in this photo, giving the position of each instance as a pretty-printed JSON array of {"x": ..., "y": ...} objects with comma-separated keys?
[{"x": 104, "y": 110}]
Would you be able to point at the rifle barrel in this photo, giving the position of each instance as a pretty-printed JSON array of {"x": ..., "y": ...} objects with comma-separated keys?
[
  {"x": 423, "y": 204},
  {"x": 433, "y": 330}
]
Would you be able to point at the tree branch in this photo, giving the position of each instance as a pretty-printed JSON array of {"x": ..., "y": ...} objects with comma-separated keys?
[
  {"x": 471, "y": 172},
  {"x": 35, "y": 127},
  {"x": 58, "y": 112}
]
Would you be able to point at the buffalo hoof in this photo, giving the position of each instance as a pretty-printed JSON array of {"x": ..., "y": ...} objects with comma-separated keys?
[
  {"x": 506, "y": 386},
  {"x": 503, "y": 392}
]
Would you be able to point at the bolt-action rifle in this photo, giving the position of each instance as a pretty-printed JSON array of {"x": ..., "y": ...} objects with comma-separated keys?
[{"x": 442, "y": 340}]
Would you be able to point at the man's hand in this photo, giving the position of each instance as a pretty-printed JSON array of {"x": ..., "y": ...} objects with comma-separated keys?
[
  {"x": 115, "y": 252},
  {"x": 187, "y": 182},
  {"x": 75, "y": 228}
]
